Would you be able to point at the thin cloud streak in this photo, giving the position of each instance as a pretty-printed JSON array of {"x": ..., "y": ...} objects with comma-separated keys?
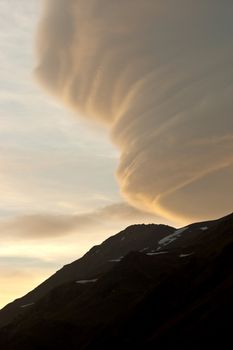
[{"x": 47, "y": 227}]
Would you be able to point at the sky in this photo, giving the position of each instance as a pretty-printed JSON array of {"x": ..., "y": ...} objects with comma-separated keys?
[
  {"x": 108, "y": 119},
  {"x": 57, "y": 182}
]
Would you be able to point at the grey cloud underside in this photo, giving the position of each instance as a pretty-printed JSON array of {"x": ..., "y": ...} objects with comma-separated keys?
[{"x": 159, "y": 74}]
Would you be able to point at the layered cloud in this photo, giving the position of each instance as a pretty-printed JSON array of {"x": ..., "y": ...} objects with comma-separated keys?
[
  {"x": 159, "y": 75},
  {"x": 112, "y": 217}
]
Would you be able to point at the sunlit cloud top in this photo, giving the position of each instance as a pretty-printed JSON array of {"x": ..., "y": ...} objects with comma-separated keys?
[{"x": 159, "y": 75}]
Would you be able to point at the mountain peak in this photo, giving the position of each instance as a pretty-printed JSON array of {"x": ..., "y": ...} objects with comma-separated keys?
[{"x": 144, "y": 285}]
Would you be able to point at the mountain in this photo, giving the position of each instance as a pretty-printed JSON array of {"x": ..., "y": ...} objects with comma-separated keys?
[
  {"x": 150, "y": 286},
  {"x": 98, "y": 260}
]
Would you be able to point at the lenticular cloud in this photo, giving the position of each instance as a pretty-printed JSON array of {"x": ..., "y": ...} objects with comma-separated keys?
[{"x": 159, "y": 75}]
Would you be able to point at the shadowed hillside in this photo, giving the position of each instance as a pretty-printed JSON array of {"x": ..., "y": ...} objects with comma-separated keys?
[{"x": 150, "y": 286}]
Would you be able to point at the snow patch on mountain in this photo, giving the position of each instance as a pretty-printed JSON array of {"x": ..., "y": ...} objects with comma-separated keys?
[
  {"x": 87, "y": 281},
  {"x": 184, "y": 255},
  {"x": 173, "y": 237},
  {"x": 116, "y": 260},
  {"x": 204, "y": 228},
  {"x": 156, "y": 253},
  {"x": 143, "y": 249},
  {"x": 27, "y": 305}
]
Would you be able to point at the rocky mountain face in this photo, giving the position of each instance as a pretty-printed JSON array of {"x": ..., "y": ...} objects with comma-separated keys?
[{"x": 148, "y": 287}]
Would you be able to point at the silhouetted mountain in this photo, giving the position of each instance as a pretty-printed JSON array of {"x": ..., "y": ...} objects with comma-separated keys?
[
  {"x": 149, "y": 287},
  {"x": 99, "y": 259}
]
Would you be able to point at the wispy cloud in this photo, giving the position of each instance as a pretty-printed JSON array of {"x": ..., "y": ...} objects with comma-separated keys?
[{"x": 47, "y": 226}]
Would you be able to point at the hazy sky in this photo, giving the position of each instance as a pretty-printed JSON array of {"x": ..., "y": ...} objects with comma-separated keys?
[
  {"x": 51, "y": 164},
  {"x": 137, "y": 88}
]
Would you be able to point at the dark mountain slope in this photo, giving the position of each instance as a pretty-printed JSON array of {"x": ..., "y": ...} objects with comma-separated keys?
[
  {"x": 178, "y": 294},
  {"x": 98, "y": 260}
]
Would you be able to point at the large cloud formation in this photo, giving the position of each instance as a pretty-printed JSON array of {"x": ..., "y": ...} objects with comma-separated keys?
[{"x": 159, "y": 75}]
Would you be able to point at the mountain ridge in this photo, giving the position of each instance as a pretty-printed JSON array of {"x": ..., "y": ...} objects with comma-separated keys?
[
  {"x": 128, "y": 300},
  {"x": 89, "y": 262}
]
